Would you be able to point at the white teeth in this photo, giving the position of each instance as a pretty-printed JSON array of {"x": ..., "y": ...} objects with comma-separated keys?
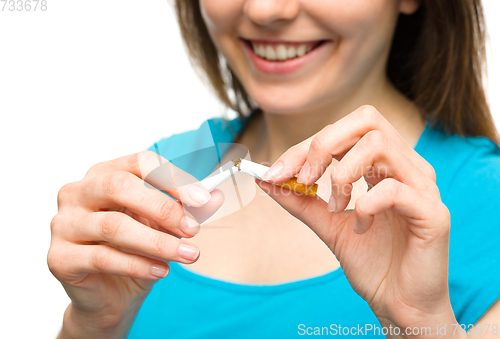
[
  {"x": 270, "y": 53},
  {"x": 261, "y": 51},
  {"x": 281, "y": 52},
  {"x": 301, "y": 50}
]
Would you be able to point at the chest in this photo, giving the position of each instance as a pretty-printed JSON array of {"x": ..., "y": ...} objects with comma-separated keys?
[{"x": 252, "y": 239}]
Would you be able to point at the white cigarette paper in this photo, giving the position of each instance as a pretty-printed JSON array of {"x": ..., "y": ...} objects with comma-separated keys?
[
  {"x": 231, "y": 168},
  {"x": 219, "y": 176},
  {"x": 253, "y": 169}
]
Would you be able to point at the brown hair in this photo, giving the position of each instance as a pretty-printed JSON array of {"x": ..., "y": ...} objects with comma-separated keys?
[{"x": 437, "y": 59}]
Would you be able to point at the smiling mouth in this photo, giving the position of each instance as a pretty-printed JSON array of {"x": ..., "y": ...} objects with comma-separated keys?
[{"x": 282, "y": 51}]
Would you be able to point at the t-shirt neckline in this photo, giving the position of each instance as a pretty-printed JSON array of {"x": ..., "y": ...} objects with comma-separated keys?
[{"x": 280, "y": 287}]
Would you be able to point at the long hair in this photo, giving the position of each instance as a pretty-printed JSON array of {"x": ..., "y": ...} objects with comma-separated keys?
[{"x": 437, "y": 60}]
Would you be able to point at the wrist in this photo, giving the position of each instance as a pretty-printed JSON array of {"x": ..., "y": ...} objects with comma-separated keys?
[
  {"x": 443, "y": 330},
  {"x": 420, "y": 325},
  {"x": 77, "y": 324}
]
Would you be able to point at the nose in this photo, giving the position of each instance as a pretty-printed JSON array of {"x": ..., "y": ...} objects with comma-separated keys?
[{"x": 271, "y": 12}]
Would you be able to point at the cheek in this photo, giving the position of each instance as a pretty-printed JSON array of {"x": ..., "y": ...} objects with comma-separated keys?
[
  {"x": 355, "y": 19},
  {"x": 222, "y": 19},
  {"x": 365, "y": 29},
  {"x": 221, "y": 15}
]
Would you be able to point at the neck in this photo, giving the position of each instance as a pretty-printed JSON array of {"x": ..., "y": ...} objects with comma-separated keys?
[{"x": 274, "y": 133}]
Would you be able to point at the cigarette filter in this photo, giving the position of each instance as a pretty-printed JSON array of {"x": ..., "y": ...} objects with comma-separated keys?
[{"x": 257, "y": 171}]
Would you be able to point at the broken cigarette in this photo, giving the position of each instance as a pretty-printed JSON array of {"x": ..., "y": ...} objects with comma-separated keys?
[{"x": 254, "y": 170}]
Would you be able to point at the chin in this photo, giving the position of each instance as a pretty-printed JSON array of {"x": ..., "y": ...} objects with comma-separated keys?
[
  {"x": 282, "y": 106},
  {"x": 284, "y": 100}
]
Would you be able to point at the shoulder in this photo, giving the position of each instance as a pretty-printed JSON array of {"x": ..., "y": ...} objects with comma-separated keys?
[
  {"x": 210, "y": 131},
  {"x": 468, "y": 178},
  {"x": 464, "y": 165},
  {"x": 203, "y": 145}
]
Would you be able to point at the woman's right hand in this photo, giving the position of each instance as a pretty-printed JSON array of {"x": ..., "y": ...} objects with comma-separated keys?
[{"x": 114, "y": 235}]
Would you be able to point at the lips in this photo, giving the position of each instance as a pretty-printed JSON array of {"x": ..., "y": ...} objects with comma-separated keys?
[{"x": 279, "y": 57}]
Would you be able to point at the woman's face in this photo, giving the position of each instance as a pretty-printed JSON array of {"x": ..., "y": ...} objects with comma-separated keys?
[{"x": 298, "y": 55}]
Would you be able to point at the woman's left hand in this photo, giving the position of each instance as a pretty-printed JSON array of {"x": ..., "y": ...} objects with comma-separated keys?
[{"x": 393, "y": 247}]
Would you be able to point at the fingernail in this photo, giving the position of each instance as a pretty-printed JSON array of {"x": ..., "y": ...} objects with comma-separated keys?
[
  {"x": 188, "y": 252},
  {"x": 355, "y": 227},
  {"x": 188, "y": 222},
  {"x": 274, "y": 171},
  {"x": 332, "y": 204},
  {"x": 304, "y": 173},
  {"x": 159, "y": 271},
  {"x": 199, "y": 194}
]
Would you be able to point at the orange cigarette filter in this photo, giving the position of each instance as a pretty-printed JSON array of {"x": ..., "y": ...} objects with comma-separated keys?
[
  {"x": 257, "y": 171},
  {"x": 293, "y": 185}
]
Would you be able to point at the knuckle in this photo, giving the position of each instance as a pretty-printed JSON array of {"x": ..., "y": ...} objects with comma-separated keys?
[
  {"x": 98, "y": 259},
  {"x": 294, "y": 150},
  {"x": 340, "y": 177},
  {"x": 445, "y": 217},
  {"x": 54, "y": 261},
  {"x": 368, "y": 113},
  {"x": 375, "y": 140},
  {"x": 318, "y": 143},
  {"x": 133, "y": 268},
  {"x": 133, "y": 160},
  {"x": 65, "y": 193},
  {"x": 56, "y": 223},
  {"x": 93, "y": 170},
  {"x": 159, "y": 244},
  {"x": 164, "y": 211},
  {"x": 431, "y": 172},
  {"x": 304, "y": 209},
  {"x": 390, "y": 188},
  {"x": 109, "y": 225},
  {"x": 143, "y": 155},
  {"x": 115, "y": 182},
  {"x": 143, "y": 160}
]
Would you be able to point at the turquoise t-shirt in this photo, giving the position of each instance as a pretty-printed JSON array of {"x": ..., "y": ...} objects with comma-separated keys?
[{"x": 188, "y": 305}]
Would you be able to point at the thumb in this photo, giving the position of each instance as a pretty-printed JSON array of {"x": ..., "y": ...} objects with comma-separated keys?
[{"x": 310, "y": 210}]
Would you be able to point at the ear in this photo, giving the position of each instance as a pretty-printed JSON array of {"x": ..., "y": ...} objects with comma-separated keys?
[{"x": 409, "y": 6}]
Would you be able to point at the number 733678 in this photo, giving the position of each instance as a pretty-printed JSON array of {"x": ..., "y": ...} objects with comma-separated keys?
[{"x": 23, "y": 5}]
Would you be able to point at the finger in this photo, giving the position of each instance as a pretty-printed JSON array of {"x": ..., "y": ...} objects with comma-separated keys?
[
  {"x": 310, "y": 210},
  {"x": 129, "y": 163},
  {"x": 86, "y": 259},
  {"x": 374, "y": 156},
  {"x": 72, "y": 263},
  {"x": 159, "y": 173},
  {"x": 423, "y": 213},
  {"x": 336, "y": 139},
  {"x": 116, "y": 190},
  {"x": 121, "y": 230},
  {"x": 289, "y": 163},
  {"x": 163, "y": 175},
  {"x": 206, "y": 211}
]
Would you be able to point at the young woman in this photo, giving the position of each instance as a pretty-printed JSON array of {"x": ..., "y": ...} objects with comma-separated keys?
[{"x": 382, "y": 101}]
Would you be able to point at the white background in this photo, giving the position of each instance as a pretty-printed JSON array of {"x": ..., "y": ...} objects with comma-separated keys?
[{"x": 84, "y": 82}]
